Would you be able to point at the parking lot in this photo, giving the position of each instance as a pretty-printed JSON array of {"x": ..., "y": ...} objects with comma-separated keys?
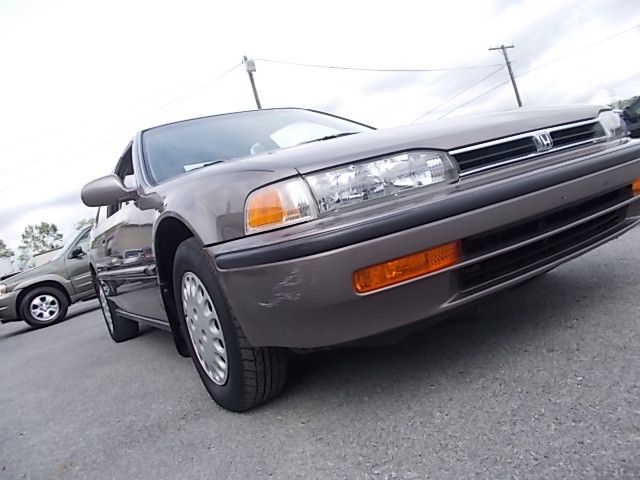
[{"x": 541, "y": 381}]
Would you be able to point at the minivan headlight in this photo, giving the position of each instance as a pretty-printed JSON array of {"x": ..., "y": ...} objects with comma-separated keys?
[
  {"x": 3, "y": 289},
  {"x": 612, "y": 124},
  {"x": 380, "y": 178}
]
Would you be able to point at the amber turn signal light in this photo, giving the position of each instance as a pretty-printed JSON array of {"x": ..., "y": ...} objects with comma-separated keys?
[
  {"x": 265, "y": 208},
  {"x": 635, "y": 186},
  {"x": 406, "y": 268}
]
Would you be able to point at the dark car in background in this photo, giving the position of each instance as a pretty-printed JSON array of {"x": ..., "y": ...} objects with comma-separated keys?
[
  {"x": 277, "y": 230},
  {"x": 40, "y": 296},
  {"x": 631, "y": 115}
]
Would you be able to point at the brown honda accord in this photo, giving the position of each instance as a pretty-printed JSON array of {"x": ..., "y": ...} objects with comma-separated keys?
[{"x": 251, "y": 234}]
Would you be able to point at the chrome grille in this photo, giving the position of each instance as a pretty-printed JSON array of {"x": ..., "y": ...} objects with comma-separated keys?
[
  {"x": 484, "y": 156},
  {"x": 578, "y": 134},
  {"x": 495, "y": 153}
]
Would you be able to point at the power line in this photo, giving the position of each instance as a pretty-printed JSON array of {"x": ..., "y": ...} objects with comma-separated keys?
[
  {"x": 542, "y": 66},
  {"x": 365, "y": 69},
  {"x": 581, "y": 49},
  {"x": 168, "y": 106},
  {"x": 459, "y": 94},
  {"x": 119, "y": 131},
  {"x": 476, "y": 98},
  {"x": 190, "y": 93}
]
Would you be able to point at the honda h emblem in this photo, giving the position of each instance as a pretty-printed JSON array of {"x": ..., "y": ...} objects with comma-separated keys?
[{"x": 543, "y": 141}]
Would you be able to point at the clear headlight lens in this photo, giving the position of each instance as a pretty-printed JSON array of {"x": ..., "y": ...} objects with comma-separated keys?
[
  {"x": 612, "y": 124},
  {"x": 3, "y": 289},
  {"x": 278, "y": 205},
  {"x": 391, "y": 176}
]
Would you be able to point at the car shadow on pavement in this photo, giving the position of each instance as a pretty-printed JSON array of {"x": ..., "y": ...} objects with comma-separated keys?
[
  {"x": 477, "y": 336},
  {"x": 13, "y": 329}
]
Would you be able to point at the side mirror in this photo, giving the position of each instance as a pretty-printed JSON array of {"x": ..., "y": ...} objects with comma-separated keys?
[
  {"x": 106, "y": 191},
  {"x": 76, "y": 252}
]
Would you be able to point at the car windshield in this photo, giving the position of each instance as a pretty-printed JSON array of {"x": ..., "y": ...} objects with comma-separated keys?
[{"x": 177, "y": 148}]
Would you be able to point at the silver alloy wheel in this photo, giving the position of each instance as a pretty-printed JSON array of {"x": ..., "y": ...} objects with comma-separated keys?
[
  {"x": 204, "y": 328},
  {"x": 105, "y": 308},
  {"x": 44, "y": 308}
]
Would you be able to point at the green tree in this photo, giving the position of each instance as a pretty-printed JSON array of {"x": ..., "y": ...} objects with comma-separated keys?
[
  {"x": 36, "y": 239},
  {"x": 5, "y": 252},
  {"x": 24, "y": 260},
  {"x": 85, "y": 222}
]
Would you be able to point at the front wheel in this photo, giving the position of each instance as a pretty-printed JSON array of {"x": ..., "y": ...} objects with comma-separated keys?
[
  {"x": 43, "y": 306},
  {"x": 237, "y": 375}
]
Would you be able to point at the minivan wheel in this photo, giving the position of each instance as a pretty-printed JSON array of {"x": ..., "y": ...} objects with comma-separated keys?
[
  {"x": 43, "y": 306},
  {"x": 237, "y": 375},
  {"x": 120, "y": 329}
]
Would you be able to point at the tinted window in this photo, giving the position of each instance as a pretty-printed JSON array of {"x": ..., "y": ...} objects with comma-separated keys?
[
  {"x": 174, "y": 149},
  {"x": 101, "y": 215}
]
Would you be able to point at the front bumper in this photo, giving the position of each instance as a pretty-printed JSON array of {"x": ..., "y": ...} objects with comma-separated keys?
[
  {"x": 8, "y": 302},
  {"x": 284, "y": 297}
]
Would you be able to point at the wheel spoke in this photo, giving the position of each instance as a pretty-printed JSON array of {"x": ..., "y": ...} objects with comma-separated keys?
[{"x": 44, "y": 307}]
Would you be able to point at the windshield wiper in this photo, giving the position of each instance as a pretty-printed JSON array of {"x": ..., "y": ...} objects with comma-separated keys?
[
  {"x": 198, "y": 166},
  {"x": 329, "y": 137}
]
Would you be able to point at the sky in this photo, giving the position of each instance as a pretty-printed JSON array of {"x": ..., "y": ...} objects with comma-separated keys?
[{"x": 80, "y": 77}]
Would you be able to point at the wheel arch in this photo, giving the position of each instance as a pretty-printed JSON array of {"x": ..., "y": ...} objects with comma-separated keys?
[{"x": 169, "y": 233}]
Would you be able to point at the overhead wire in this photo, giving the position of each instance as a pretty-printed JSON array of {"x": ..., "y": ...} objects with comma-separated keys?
[
  {"x": 470, "y": 87},
  {"x": 370, "y": 69},
  {"x": 168, "y": 106},
  {"x": 555, "y": 60}
]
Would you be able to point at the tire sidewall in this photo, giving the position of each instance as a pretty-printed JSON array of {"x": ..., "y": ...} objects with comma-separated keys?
[
  {"x": 25, "y": 310},
  {"x": 191, "y": 258},
  {"x": 104, "y": 304}
]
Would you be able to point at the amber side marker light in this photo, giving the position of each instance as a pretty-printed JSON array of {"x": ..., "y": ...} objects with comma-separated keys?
[
  {"x": 635, "y": 186},
  {"x": 406, "y": 268}
]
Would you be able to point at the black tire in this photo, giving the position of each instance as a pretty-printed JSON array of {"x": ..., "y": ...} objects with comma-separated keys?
[
  {"x": 120, "y": 329},
  {"x": 31, "y": 316},
  {"x": 254, "y": 374}
]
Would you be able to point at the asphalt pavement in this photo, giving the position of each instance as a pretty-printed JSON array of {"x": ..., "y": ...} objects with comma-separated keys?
[{"x": 542, "y": 381}]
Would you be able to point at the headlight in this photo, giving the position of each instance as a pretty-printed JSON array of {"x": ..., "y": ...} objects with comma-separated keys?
[
  {"x": 278, "y": 205},
  {"x": 3, "y": 289},
  {"x": 391, "y": 176},
  {"x": 612, "y": 124}
]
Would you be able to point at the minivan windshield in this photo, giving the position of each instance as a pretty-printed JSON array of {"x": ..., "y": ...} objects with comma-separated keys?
[{"x": 177, "y": 148}]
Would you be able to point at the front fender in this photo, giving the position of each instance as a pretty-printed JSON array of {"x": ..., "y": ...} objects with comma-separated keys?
[
  {"x": 49, "y": 277},
  {"x": 211, "y": 202}
]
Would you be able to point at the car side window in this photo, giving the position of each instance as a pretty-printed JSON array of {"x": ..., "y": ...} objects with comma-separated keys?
[
  {"x": 124, "y": 170},
  {"x": 83, "y": 242}
]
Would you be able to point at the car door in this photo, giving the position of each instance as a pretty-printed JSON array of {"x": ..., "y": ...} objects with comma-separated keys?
[
  {"x": 78, "y": 266},
  {"x": 123, "y": 250}
]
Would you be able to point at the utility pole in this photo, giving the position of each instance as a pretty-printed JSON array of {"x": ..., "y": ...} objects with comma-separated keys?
[
  {"x": 250, "y": 65},
  {"x": 503, "y": 49}
]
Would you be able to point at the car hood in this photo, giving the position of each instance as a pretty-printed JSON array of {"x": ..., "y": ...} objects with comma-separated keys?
[
  {"x": 211, "y": 200},
  {"x": 44, "y": 269},
  {"x": 447, "y": 134}
]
